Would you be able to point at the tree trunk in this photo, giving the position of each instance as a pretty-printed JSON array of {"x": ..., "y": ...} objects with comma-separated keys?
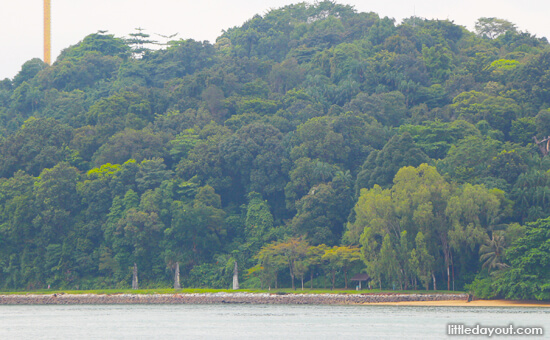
[
  {"x": 177, "y": 284},
  {"x": 235, "y": 277},
  {"x": 543, "y": 148},
  {"x": 433, "y": 278},
  {"x": 453, "y": 268},
  {"x": 135, "y": 277},
  {"x": 346, "y": 278},
  {"x": 292, "y": 279},
  {"x": 311, "y": 281},
  {"x": 448, "y": 278},
  {"x": 333, "y": 278},
  {"x": 290, "y": 265},
  {"x": 447, "y": 255},
  {"x": 302, "y": 282}
]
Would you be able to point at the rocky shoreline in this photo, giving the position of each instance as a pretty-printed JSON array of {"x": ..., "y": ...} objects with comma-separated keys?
[{"x": 218, "y": 298}]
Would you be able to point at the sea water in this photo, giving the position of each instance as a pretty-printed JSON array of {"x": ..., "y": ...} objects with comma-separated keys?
[{"x": 238, "y": 321}]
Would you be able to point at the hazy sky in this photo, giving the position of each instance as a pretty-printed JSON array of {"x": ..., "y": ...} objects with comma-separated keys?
[{"x": 21, "y": 25}]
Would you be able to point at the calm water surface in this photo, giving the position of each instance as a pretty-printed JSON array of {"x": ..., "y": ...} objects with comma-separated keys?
[{"x": 255, "y": 321}]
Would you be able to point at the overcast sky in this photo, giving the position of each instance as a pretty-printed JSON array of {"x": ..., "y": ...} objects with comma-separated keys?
[{"x": 21, "y": 24}]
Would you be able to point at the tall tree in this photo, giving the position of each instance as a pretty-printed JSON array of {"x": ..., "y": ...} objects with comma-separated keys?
[{"x": 493, "y": 27}]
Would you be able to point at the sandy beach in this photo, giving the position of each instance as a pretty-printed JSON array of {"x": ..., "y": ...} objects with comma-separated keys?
[{"x": 475, "y": 303}]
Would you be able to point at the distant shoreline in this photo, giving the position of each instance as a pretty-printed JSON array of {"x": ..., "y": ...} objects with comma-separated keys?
[
  {"x": 444, "y": 300},
  {"x": 222, "y": 297}
]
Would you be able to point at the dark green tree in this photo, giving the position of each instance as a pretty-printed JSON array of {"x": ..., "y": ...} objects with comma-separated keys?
[{"x": 381, "y": 166}]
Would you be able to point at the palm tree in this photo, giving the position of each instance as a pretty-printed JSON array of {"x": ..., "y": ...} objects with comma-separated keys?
[
  {"x": 323, "y": 170},
  {"x": 492, "y": 252}
]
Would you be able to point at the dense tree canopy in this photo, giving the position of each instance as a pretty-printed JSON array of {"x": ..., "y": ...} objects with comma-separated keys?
[{"x": 313, "y": 140}]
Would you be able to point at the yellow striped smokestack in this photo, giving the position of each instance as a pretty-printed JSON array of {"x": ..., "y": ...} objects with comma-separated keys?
[{"x": 47, "y": 32}]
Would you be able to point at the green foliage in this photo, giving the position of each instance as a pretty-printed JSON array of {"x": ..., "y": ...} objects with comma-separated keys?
[
  {"x": 436, "y": 138},
  {"x": 421, "y": 261},
  {"x": 40, "y": 143},
  {"x": 493, "y": 27},
  {"x": 529, "y": 259},
  {"x": 131, "y": 144},
  {"x": 442, "y": 219},
  {"x": 492, "y": 252},
  {"x": 28, "y": 71},
  {"x": 438, "y": 62},
  {"x": 467, "y": 159},
  {"x": 106, "y": 44},
  {"x": 320, "y": 215},
  {"x": 256, "y": 149},
  {"x": 527, "y": 275},
  {"x": 259, "y": 220},
  {"x": 530, "y": 194},
  {"x": 523, "y": 130},
  {"x": 381, "y": 166},
  {"x": 81, "y": 73}
]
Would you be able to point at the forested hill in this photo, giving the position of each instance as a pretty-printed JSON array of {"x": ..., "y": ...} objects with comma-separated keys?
[{"x": 313, "y": 140}]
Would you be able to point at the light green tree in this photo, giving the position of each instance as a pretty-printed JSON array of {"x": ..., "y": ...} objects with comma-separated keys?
[{"x": 421, "y": 262}]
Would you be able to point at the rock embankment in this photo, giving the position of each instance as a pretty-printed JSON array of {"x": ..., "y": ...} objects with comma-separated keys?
[{"x": 217, "y": 298}]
